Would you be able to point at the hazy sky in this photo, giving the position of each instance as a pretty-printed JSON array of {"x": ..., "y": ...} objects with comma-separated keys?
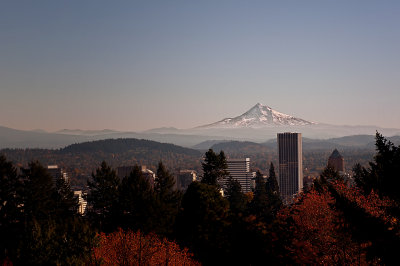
[{"x": 135, "y": 65}]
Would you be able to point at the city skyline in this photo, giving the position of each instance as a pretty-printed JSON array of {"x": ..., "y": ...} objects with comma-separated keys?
[{"x": 134, "y": 66}]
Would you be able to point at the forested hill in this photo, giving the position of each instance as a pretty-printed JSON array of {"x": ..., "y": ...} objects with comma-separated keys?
[
  {"x": 80, "y": 160},
  {"x": 126, "y": 145}
]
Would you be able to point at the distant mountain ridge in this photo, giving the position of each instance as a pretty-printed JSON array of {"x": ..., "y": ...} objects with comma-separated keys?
[
  {"x": 259, "y": 124},
  {"x": 259, "y": 116}
]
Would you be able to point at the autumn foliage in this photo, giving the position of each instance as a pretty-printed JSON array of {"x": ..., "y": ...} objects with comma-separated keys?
[
  {"x": 135, "y": 248},
  {"x": 318, "y": 231},
  {"x": 326, "y": 225}
]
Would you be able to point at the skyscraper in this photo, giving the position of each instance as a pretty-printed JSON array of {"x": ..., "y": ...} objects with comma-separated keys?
[
  {"x": 239, "y": 169},
  {"x": 290, "y": 152}
]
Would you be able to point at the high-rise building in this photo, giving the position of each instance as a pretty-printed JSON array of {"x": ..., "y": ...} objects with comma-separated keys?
[
  {"x": 336, "y": 161},
  {"x": 290, "y": 165},
  {"x": 239, "y": 169}
]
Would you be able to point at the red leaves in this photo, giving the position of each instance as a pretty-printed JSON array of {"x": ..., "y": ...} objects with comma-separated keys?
[
  {"x": 129, "y": 248},
  {"x": 312, "y": 220},
  {"x": 372, "y": 204},
  {"x": 319, "y": 230}
]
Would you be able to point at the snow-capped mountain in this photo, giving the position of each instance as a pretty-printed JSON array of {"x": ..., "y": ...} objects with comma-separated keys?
[{"x": 259, "y": 116}]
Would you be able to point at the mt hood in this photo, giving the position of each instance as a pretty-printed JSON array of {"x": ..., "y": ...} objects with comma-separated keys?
[{"x": 259, "y": 116}]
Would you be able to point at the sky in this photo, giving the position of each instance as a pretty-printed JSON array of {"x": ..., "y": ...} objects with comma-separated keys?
[{"x": 137, "y": 65}]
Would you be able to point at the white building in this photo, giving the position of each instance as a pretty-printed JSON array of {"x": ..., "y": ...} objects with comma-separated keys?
[
  {"x": 81, "y": 201},
  {"x": 239, "y": 169}
]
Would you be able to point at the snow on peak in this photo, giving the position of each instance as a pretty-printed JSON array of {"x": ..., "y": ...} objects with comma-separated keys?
[{"x": 260, "y": 116}]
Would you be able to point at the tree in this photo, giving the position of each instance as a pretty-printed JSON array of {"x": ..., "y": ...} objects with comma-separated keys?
[
  {"x": 328, "y": 176},
  {"x": 233, "y": 193},
  {"x": 129, "y": 248},
  {"x": 137, "y": 202},
  {"x": 10, "y": 208},
  {"x": 103, "y": 197},
  {"x": 52, "y": 242},
  {"x": 383, "y": 172},
  {"x": 167, "y": 200},
  {"x": 273, "y": 195},
  {"x": 318, "y": 231},
  {"x": 66, "y": 201},
  {"x": 259, "y": 204},
  {"x": 214, "y": 168},
  {"x": 38, "y": 193},
  {"x": 202, "y": 221},
  {"x": 272, "y": 182}
]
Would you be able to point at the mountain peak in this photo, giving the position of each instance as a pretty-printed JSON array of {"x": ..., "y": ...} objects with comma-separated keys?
[{"x": 259, "y": 116}]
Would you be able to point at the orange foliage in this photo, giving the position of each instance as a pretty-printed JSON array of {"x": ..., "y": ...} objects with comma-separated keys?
[
  {"x": 129, "y": 248},
  {"x": 372, "y": 204},
  {"x": 319, "y": 235},
  {"x": 320, "y": 231}
]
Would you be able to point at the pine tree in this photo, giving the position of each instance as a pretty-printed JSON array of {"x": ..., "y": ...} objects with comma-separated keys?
[
  {"x": 103, "y": 197},
  {"x": 10, "y": 209},
  {"x": 383, "y": 173},
  {"x": 328, "y": 175},
  {"x": 66, "y": 201},
  {"x": 202, "y": 223},
  {"x": 233, "y": 193},
  {"x": 272, "y": 187},
  {"x": 259, "y": 204},
  {"x": 272, "y": 182},
  {"x": 137, "y": 202},
  {"x": 214, "y": 168},
  {"x": 167, "y": 200},
  {"x": 38, "y": 192}
]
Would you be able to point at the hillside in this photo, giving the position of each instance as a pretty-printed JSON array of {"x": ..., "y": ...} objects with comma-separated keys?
[{"x": 80, "y": 160}]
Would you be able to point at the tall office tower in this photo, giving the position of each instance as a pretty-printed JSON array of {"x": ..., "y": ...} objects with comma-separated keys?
[
  {"x": 290, "y": 165},
  {"x": 239, "y": 169},
  {"x": 336, "y": 161}
]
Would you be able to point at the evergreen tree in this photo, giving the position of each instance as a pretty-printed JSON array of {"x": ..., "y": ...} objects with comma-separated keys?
[
  {"x": 137, "y": 202},
  {"x": 202, "y": 223},
  {"x": 103, "y": 197},
  {"x": 233, "y": 193},
  {"x": 214, "y": 168},
  {"x": 167, "y": 200},
  {"x": 66, "y": 201},
  {"x": 383, "y": 173},
  {"x": 38, "y": 193},
  {"x": 328, "y": 175},
  {"x": 10, "y": 209},
  {"x": 52, "y": 242},
  {"x": 272, "y": 182},
  {"x": 274, "y": 198},
  {"x": 259, "y": 204},
  {"x": 37, "y": 222}
]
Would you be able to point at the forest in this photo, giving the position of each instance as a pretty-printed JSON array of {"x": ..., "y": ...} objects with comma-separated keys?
[{"x": 131, "y": 222}]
